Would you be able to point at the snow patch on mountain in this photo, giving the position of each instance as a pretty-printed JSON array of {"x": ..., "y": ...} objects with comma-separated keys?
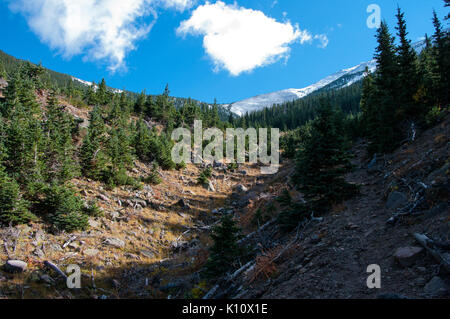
[
  {"x": 87, "y": 83},
  {"x": 347, "y": 77}
]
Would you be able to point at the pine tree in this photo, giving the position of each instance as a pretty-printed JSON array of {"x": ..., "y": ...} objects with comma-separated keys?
[
  {"x": 59, "y": 150},
  {"x": 13, "y": 209},
  {"x": 428, "y": 92},
  {"x": 102, "y": 95},
  {"x": 139, "y": 106},
  {"x": 63, "y": 209},
  {"x": 383, "y": 133},
  {"x": 225, "y": 252},
  {"x": 323, "y": 160},
  {"x": 442, "y": 56},
  {"x": 92, "y": 157},
  {"x": 407, "y": 75},
  {"x": 91, "y": 96}
]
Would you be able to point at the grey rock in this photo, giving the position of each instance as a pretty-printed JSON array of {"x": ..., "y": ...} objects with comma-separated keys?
[
  {"x": 396, "y": 200},
  {"x": 436, "y": 287},
  {"x": 241, "y": 188},
  {"x": 148, "y": 254},
  {"x": 15, "y": 266},
  {"x": 38, "y": 252},
  {"x": 407, "y": 256},
  {"x": 91, "y": 252},
  {"x": 103, "y": 197},
  {"x": 93, "y": 223},
  {"x": 114, "y": 242}
]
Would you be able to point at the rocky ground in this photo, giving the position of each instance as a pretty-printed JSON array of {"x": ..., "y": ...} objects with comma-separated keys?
[
  {"x": 331, "y": 257},
  {"x": 151, "y": 243}
]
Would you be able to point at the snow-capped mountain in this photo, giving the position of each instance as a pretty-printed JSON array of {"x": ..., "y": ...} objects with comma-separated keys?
[
  {"x": 87, "y": 83},
  {"x": 338, "y": 80}
]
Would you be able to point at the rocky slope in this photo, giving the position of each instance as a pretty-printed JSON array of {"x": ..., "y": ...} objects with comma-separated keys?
[{"x": 151, "y": 243}]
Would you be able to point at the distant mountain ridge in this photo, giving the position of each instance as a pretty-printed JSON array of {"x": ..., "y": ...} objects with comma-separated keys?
[{"x": 341, "y": 79}]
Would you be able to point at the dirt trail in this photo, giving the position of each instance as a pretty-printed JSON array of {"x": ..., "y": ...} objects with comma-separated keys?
[{"x": 332, "y": 259}]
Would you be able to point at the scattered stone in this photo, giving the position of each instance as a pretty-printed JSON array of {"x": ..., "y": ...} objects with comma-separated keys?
[
  {"x": 15, "y": 266},
  {"x": 114, "y": 215},
  {"x": 94, "y": 224},
  {"x": 407, "y": 256},
  {"x": 115, "y": 242},
  {"x": 148, "y": 254},
  {"x": 38, "y": 252},
  {"x": 241, "y": 189},
  {"x": 396, "y": 200},
  {"x": 91, "y": 252},
  {"x": 103, "y": 197},
  {"x": 436, "y": 287}
]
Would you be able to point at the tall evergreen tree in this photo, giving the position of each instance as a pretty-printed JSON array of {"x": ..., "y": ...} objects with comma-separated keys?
[
  {"x": 383, "y": 132},
  {"x": 442, "y": 56},
  {"x": 225, "y": 252},
  {"x": 323, "y": 160},
  {"x": 408, "y": 75},
  {"x": 92, "y": 156},
  {"x": 59, "y": 151}
]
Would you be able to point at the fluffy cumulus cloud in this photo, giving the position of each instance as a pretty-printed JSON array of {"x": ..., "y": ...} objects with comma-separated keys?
[
  {"x": 103, "y": 30},
  {"x": 239, "y": 39}
]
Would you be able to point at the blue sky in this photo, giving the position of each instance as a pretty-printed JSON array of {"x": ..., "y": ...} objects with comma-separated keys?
[{"x": 229, "y": 50}]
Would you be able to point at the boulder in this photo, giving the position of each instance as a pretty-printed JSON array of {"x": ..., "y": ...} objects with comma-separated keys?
[
  {"x": 91, "y": 252},
  {"x": 114, "y": 242},
  {"x": 15, "y": 266},
  {"x": 396, "y": 200},
  {"x": 407, "y": 256},
  {"x": 436, "y": 287}
]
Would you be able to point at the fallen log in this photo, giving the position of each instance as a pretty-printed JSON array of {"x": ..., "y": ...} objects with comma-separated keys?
[
  {"x": 427, "y": 243},
  {"x": 56, "y": 269}
]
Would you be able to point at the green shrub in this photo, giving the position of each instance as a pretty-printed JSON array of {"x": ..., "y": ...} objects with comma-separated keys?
[
  {"x": 153, "y": 178},
  {"x": 93, "y": 210},
  {"x": 64, "y": 210},
  {"x": 180, "y": 166},
  {"x": 204, "y": 177},
  {"x": 13, "y": 209}
]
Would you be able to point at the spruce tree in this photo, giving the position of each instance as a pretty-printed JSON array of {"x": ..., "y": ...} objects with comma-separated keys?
[
  {"x": 225, "y": 252},
  {"x": 323, "y": 160},
  {"x": 92, "y": 156},
  {"x": 59, "y": 150},
  {"x": 442, "y": 56},
  {"x": 383, "y": 132},
  {"x": 13, "y": 209},
  {"x": 407, "y": 76}
]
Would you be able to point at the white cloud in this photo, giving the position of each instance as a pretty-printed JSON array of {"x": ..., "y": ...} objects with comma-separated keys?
[
  {"x": 103, "y": 30},
  {"x": 239, "y": 39},
  {"x": 323, "y": 40}
]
